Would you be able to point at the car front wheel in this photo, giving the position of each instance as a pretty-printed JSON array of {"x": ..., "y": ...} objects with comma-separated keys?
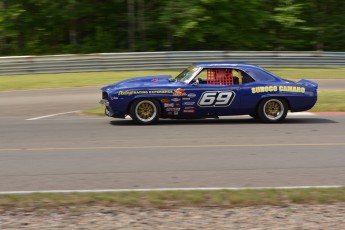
[
  {"x": 145, "y": 111},
  {"x": 272, "y": 110}
]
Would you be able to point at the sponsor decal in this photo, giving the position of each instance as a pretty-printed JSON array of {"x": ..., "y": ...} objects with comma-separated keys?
[
  {"x": 188, "y": 103},
  {"x": 178, "y": 104},
  {"x": 186, "y": 98},
  {"x": 130, "y": 92},
  {"x": 179, "y": 92},
  {"x": 175, "y": 112},
  {"x": 189, "y": 107},
  {"x": 293, "y": 89},
  {"x": 188, "y": 111},
  {"x": 191, "y": 95},
  {"x": 216, "y": 99},
  {"x": 155, "y": 80},
  {"x": 114, "y": 98},
  {"x": 172, "y": 109},
  {"x": 264, "y": 89},
  {"x": 168, "y": 105},
  {"x": 274, "y": 88},
  {"x": 176, "y": 99},
  {"x": 165, "y": 100}
]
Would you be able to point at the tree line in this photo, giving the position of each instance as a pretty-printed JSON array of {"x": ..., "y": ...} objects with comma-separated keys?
[{"x": 94, "y": 26}]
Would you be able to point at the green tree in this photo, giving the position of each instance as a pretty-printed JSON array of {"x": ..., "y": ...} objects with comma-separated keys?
[
  {"x": 9, "y": 33},
  {"x": 288, "y": 27},
  {"x": 91, "y": 26}
]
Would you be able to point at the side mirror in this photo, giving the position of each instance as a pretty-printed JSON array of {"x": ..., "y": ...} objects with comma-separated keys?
[{"x": 195, "y": 82}]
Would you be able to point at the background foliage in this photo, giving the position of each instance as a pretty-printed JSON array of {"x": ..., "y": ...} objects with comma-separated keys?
[{"x": 93, "y": 26}]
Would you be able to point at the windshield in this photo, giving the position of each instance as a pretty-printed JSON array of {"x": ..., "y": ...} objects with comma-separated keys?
[{"x": 187, "y": 74}]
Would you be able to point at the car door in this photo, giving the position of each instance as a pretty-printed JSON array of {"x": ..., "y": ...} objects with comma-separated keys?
[{"x": 214, "y": 94}]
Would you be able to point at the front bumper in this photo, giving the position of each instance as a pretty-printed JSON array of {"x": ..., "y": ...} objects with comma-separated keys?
[
  {"x": 104, "y": 102},
  {"x": 107, "y": 110}
]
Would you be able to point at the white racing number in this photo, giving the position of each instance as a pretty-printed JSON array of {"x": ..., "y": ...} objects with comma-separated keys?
[{"x": 212, "y": 98}]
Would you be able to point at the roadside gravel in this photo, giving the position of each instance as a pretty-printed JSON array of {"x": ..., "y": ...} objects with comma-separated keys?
[{"x": 118, "y": 217}]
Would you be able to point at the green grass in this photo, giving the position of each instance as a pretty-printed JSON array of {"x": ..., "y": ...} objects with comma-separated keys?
[
  {"x": 328, "y": 101},
  {"x": 43, "y": 81},
  {"x": 175, "y": 199},
  {"x": 309, "y": 73},
  {"x": 96, "y": 111}
]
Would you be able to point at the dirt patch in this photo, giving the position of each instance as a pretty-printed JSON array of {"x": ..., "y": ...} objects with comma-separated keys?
[{"x": 292, "y": 216}]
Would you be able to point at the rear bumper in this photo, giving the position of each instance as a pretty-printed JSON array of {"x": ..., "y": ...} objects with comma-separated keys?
[{"x": 302, "y": 103}]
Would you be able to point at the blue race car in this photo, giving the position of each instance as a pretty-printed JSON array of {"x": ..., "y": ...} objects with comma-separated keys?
[{"x": 209, "y": 90}]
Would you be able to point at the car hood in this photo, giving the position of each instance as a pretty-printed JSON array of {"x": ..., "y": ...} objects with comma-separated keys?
[{"x": 137, "y": 82}]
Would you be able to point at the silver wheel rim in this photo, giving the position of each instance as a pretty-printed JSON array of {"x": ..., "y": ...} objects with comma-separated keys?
[
  {"x": 145, "y": 111},
  {"x": 273, "y": 109}
]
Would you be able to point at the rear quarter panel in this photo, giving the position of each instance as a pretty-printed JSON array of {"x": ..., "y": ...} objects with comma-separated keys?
[{"x": 299, "y": 98}]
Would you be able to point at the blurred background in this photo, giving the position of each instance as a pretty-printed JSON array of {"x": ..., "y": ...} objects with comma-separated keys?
[{"x": 39, "y": 27}]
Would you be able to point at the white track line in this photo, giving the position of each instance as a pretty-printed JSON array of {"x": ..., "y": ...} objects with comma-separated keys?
[
  {"x": 129, "y": 118},
  {"x": 166, "y": 189},
  {"x": 50, "y": 115},
  {"x": 301, "y": 114}
]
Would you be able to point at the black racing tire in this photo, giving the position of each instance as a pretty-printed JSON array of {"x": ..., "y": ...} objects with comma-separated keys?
[
  {"x": 272, "y": 110},
  {"x": 145, "y": 111}
]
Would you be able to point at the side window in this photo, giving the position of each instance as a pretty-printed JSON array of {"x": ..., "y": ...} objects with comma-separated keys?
[
  {"x": 246, "y": 78},
  {"x": 219, "y": 76},
  {"x": 237, "y": 75},
  {"x": 243, "y": 77},
  {"x": 260, "y": 75},
  {"x": 202, "y": 76}
]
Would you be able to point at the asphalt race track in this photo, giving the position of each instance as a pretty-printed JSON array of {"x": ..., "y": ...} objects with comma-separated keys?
[{"x": 46, "y": 145}]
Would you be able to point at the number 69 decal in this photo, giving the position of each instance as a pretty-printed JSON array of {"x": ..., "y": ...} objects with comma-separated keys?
[{"x": 213, "y": 98}]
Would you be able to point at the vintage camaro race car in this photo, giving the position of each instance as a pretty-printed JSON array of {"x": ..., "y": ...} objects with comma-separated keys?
[{"x": 209, "y": 90}]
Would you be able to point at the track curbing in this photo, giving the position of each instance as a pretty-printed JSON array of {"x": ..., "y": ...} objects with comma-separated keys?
[{"x": 164, "y": 189}]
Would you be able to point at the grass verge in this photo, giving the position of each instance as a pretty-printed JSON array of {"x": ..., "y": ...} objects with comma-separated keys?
[
  {"x": 43, "y": 81},
  {"x": 62, "y": 80},
  {"x": 94, "y": 111},
  {"x": 328, "y": 101},
  {"x": 309, "y": 73},
  {"x": 175, "y": 199}
]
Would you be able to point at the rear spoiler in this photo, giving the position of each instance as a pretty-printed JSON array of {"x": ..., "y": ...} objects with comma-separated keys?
[{"x": 308, "y": 83}]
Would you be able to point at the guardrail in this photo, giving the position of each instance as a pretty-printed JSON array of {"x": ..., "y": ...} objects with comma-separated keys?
[{"x": 162, "y": 60}]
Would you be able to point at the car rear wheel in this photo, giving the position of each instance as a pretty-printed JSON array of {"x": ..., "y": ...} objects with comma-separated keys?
[
  {"x": 272, "y": 110},
  {"x": 145, "y": 111}
]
